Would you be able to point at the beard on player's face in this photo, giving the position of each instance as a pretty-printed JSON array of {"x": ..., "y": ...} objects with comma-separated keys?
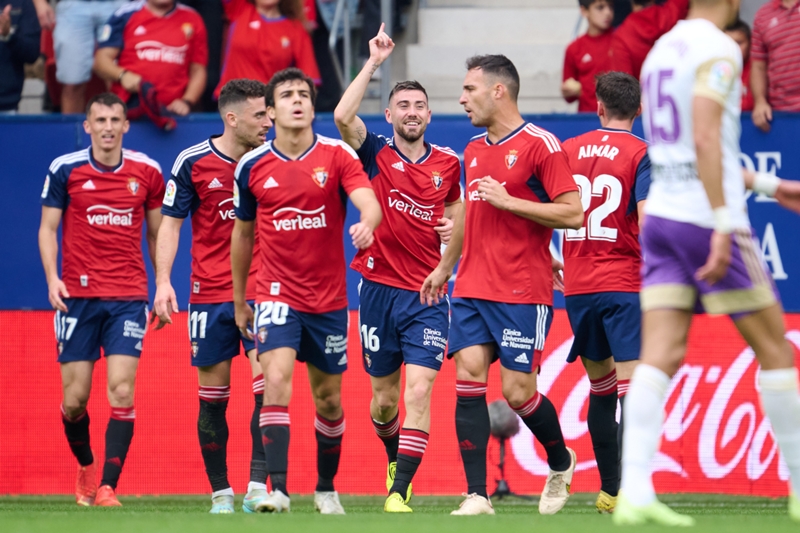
[{"x": 413, "y": 134}]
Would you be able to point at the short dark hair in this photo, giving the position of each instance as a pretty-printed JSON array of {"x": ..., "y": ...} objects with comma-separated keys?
[
  {"x": 500, "y": 66},
  {"x": 241, "y": 90},
  {"x": 408, "y": 85},
  {"x": 741, "y": 26},
  {"x": 288, "y": 74},
  {"x": 587, "y": 3},
  {"x": 106, "y": 99},
  {"x": 620, "y": 94}
]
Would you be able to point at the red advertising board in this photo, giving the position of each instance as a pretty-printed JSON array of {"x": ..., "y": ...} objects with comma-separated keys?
[{"x": 716, "y": 438}]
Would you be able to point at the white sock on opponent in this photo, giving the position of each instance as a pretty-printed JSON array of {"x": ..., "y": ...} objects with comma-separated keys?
[
  {"x": 644, "y": 418},
  {"x": 781, "y": 401}
]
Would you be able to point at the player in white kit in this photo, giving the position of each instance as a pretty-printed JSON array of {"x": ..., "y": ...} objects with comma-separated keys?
[{"x": 699, "y": 250}]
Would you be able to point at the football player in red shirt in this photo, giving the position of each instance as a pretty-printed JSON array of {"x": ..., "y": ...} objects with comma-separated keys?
[
  {"x": 419, "y": 187},
  {"x": 266, "y": 36},
  {"x": 602, "y": 260},
  {"x": 103, "y": 194},
  {"x": 519, "y": 187},
  {"x": 587, "y": 56},
  {"x": 156, "y": 50},
  {"x": 201, "y": 185},
  {"x": 296, "y": 185}
]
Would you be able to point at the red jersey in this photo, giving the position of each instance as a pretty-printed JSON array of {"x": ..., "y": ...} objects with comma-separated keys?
[
  {"x": 201, "y": 184},
  {"x": 585, "y": 58},
  {"x": 634, "y": 38},
  {"x": 104, "y": 210},
  {"x": 258, "y": 47},
  {"x": 776, "y": 40},
  {"x": 506, "y": 258},
  {"x": 300, "y": 205},
  {"x": 412, "y": 196},
  {"x": 612, "y": 171},
  {"x": 159, "y": 49},
  {"x": 748, "y": 102}
]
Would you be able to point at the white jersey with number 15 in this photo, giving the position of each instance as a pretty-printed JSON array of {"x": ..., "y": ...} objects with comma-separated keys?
[{"x": 694, "y": 59}]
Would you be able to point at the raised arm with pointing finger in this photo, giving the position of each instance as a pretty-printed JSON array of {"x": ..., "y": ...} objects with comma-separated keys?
[{"x": 351, "y": 127}]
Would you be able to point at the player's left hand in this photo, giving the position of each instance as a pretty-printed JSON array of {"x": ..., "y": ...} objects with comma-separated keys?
[
  {"x": 434, "y": 287},
  {"x": 444, "y": 229},
  {"x": 719, "y": 257},
  {"x": 362, "y": 235},
  {"x": 179, "y": 107},
  {"x": 558, "y": 278},
  {"x": 492, "y": 191}
]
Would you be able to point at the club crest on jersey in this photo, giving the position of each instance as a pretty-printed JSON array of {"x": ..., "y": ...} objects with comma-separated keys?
[
  {"x": 436, "y": 178},
  {"x": 133, "y": 185},
  {"x": 319, "y": 176},
  {"x": 195, "y": 349},
  {"x": 511, "y": 158},
  {"x": 188, "y": 30}
]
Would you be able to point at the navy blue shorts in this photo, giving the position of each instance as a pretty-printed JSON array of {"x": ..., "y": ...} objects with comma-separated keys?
[
  {"x": 395, "y": 328},
  {"x": 605, "y": 324},
  {"x": 319, "y": 339},
  {"x": 91, "y": 323},
  {"x": 517, "y": 331},
  {"x": 214, "y": 335}
]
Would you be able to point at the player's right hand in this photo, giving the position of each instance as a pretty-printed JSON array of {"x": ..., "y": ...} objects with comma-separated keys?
[
  {"x": 719, "y": 257},
  {"x": 434, "y": 287},
  {"x": 244, "y": 319},
  {"x": 55, "y": 290},
  {"x": 131, "y": 82},
  {"x": 380, "y": 46},
  {"x": 762, "y": 115},
  {"x": 164, "y": 305},
  {"x": 788, "y": 195}
]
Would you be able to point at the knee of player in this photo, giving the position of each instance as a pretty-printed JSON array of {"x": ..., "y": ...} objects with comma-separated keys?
[
  {"x": 75, "y": 406},
  {"x": 121, "y": 394},
  {"x": 516, "y": 395},
  {"x": 277, "y": 381},
  {"x": 386, "y": 399},
  {"x": 417, "y": 395},
  {"x": 328, "y": 402}
]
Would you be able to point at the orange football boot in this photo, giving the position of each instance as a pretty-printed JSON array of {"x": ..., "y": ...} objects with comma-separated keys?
[
  {"x": 106, "y": 497},
  {"x": 86, "y": 485}
]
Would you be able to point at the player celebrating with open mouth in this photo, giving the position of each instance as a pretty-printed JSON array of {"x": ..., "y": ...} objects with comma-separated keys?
[{"x": 296, "y": 186}]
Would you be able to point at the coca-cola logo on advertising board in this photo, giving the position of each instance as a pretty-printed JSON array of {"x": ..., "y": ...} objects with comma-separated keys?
[{"x": 714, "y": 428}]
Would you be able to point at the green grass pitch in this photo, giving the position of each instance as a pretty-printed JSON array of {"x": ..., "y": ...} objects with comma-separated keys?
[{"x": 189, "y": 514}]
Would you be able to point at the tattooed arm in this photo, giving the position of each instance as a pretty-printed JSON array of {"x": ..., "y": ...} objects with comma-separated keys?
[{"x": 352, "y": 128}]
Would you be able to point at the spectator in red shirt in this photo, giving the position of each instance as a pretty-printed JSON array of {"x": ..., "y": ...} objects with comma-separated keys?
[
  {"x": 634, "y": 38},
  {"x": 739, "y": 31},
  {"x": 266, "y": 36},
  {"x": 156, "y": 50},
  {"x": 587, "y": 56},
  {"x": 775, "y": 76}
]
